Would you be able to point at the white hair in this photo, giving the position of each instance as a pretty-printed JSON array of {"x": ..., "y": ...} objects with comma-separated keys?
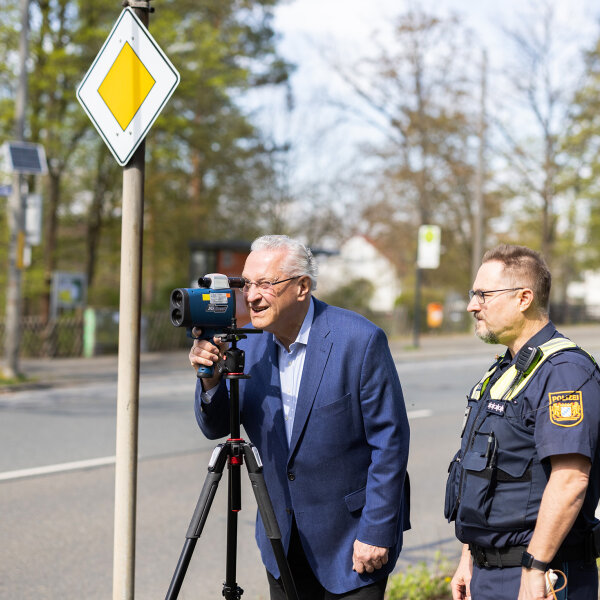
[{"x": 299, "y": 260}]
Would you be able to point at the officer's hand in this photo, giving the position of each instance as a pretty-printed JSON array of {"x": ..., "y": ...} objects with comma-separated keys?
[
  {"x": 207, "y": 353},
  {"x": 367, "y": 558},
  {"x": 461, "y": 582},
  {"x": 533, "y": 585}
]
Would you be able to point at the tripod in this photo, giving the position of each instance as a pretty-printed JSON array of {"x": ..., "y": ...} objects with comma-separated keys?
[{"x": 233, "y": 452}]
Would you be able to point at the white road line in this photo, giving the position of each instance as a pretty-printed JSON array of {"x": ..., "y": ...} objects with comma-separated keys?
[
  {"x": 419, "y": 414},
  {"x": 70, "y": 466},
  {"x": 110, "y": 460}
]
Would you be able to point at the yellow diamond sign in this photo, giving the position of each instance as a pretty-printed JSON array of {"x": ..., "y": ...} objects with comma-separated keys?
[{"x": 127, "y": 86}]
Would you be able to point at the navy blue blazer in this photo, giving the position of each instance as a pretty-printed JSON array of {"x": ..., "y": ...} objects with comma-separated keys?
[{"x": 343, "y": 472}]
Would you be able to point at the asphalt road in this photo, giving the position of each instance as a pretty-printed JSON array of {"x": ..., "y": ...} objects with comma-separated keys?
[{"x": 57, "y": 475}]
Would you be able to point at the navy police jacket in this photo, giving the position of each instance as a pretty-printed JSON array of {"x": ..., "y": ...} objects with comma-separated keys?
[
  {"x": 512, "y": 425},
  {"x": 342, "y": 474}
]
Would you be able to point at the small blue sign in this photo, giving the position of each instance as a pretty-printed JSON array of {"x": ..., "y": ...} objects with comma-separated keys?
[{"x": 5, "y": 190}]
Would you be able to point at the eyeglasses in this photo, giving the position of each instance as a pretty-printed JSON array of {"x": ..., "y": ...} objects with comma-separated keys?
[
  {"x": 481, "y": 294},
  {"x": 265, "y": 286}
]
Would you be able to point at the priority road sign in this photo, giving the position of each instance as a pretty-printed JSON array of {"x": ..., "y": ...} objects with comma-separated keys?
[{"x": 127, "y": 86}]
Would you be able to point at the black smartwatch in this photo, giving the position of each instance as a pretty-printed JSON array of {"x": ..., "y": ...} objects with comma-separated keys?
[{"x": 529, "y": 562}]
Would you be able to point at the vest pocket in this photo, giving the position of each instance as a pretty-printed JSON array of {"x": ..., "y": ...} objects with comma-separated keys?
[
  {"x": 452, "y": 487},
  {"x": 496, "y": 491},
  {"x": 475, "y": 492},
  {"x": 512, "y": 506}
]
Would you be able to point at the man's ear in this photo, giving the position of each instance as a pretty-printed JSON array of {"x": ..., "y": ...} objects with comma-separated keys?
[
  {"x": 525, "y": 299},
  {"x": 305, "y": 286}
]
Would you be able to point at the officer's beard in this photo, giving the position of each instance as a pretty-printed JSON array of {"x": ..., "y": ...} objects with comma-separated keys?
[{"x": 487, "y": 336}]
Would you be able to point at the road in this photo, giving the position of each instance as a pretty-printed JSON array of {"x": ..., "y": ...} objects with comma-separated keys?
[{"x": 57, "y": 481}]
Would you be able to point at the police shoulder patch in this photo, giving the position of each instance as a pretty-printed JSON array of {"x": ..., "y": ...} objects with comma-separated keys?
[{"x": 566, "y": 408}]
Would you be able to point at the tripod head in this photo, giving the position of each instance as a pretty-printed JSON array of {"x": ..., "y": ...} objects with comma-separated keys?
[{"x": 233, "y": 367}]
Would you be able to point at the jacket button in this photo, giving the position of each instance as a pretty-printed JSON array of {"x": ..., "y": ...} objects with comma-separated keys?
[{"x": 291, "y": 476}]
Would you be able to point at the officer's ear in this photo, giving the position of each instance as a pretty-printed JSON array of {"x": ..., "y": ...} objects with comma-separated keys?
[{"x": 525, "y": 299}]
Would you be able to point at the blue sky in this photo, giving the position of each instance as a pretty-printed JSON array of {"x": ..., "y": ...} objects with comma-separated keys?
[{"x": 346, "y": 27}]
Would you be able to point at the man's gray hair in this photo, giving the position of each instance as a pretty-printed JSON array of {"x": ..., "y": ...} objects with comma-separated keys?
[{"x": 299, "y": 261}]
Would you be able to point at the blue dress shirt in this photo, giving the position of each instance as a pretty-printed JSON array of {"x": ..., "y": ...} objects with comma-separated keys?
[{"x": 290, "y": 370}]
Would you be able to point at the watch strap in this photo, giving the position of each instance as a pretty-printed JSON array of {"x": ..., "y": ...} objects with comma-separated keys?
[{"x": 529, "y": 562}]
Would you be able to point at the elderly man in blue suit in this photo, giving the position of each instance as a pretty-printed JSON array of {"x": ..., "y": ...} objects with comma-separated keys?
[{"x": 324, "y": 407}]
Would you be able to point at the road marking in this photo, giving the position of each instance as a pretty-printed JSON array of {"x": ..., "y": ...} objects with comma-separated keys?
[
  {"x": 419, "y": 414},
  {"x": 60, "y": 468},
  {"x": 110, "y": 460}
]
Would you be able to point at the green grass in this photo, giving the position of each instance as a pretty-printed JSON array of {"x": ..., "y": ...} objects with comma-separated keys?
[
  {"x": 13, "y": 380},
  {"x": 421, "y": 582}
]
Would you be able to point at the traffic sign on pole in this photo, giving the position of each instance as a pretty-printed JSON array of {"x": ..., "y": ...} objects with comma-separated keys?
[
  {"x": 127, "y": 86},
  {"x": 428, "y": 255}
]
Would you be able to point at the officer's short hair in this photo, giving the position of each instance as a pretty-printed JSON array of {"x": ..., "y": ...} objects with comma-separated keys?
[{"x": 526, "y": 267}]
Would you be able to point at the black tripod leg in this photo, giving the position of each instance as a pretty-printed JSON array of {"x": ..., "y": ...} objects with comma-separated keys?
[
  {"x": 254, "y": 466},
  {"x": 209, "y": 489},
  {"x": 231, "y": 590}
]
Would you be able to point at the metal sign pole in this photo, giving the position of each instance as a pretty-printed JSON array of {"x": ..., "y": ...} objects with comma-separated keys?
[
  {"x": 428, "y": 257},
  {"x": 417, "y": 316},
  {"x": 128, "y": 365}
]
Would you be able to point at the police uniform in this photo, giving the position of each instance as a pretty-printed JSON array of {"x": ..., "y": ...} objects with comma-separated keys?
[{"x": 544, "y": 402}]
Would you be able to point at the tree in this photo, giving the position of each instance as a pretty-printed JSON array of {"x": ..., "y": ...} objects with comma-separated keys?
[
  {"x": 580, "y": 147},
  {"x": 208, "y": 169},
  {"x": 204, "y": 151},
  {"x": 542, "y": 158},
  {"x": 421, "y": 94},
  {"x": 539, "y": 91}
]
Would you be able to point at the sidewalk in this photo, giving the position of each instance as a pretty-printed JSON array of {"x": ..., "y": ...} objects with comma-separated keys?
[
  {"x": 45, "y": 372},
  {"x": 57, "y": 372},
  {"x": 447, "y": 345}
]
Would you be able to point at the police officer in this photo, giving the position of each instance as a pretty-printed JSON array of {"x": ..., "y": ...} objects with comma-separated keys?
[{"x": 524, "y": 486}]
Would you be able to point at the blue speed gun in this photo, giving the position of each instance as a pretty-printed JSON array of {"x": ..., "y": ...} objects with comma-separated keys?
[{"x": 209, "y": 307}]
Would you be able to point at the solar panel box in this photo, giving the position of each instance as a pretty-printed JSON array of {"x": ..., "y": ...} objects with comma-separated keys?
[{"x": 24, "y": 157}]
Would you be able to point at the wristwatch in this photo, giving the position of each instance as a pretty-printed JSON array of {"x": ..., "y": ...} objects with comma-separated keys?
[{"x": 529, "y": 562}]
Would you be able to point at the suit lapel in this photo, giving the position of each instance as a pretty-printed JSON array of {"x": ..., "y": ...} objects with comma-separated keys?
[{"x": 317, "y": 354}]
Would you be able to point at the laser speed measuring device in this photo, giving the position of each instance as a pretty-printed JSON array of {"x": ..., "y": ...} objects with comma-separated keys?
[{"x": 210, "y": 308}]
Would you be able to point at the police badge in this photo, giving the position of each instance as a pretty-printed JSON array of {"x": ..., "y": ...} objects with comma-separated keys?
[{"x": 566, "y": 408}]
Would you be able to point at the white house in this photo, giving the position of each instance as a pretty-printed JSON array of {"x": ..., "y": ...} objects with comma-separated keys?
[
  {"x": 359, "y": 258},
  {"x": 587, "y": 292}
]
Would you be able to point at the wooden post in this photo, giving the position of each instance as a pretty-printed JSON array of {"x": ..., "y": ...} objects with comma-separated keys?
[{"x": 129, "y": 363}]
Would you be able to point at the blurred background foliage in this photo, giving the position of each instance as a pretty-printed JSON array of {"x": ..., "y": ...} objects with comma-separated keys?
[{"x": 215, "y": 172}]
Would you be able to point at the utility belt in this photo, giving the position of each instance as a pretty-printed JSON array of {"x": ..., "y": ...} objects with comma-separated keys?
[{"x": 511, "y": 556}]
